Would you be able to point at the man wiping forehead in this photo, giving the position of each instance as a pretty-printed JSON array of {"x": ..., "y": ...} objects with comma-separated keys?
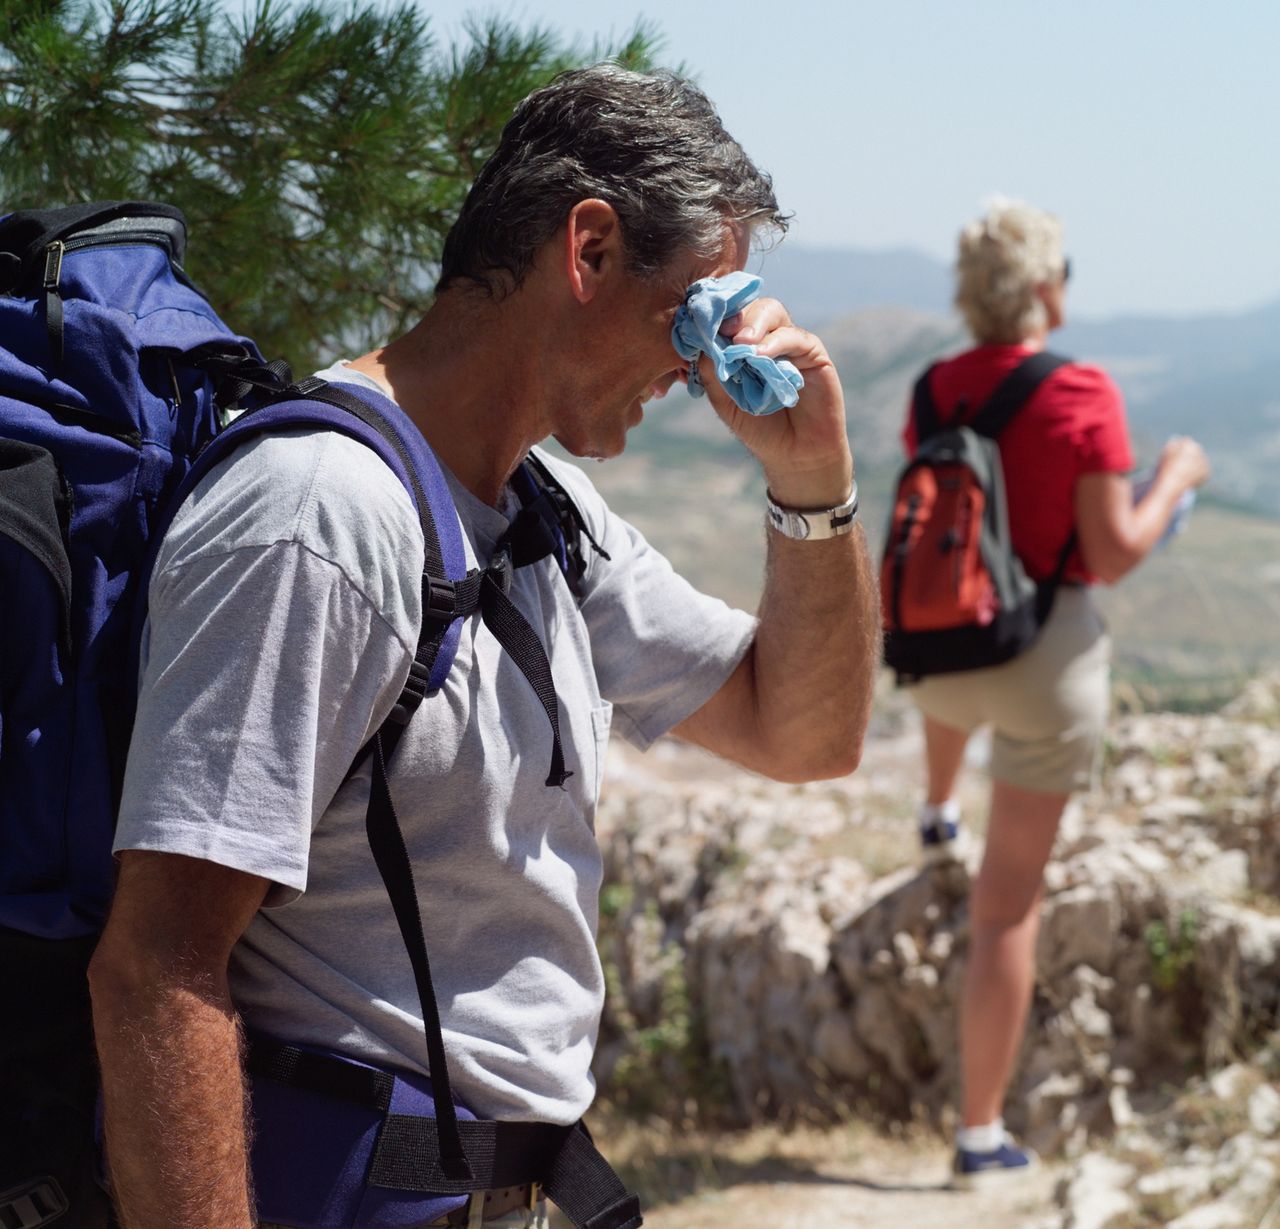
[{"x": 285, "y": 611}]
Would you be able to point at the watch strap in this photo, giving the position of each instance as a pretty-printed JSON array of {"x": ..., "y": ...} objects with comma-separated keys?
[{"x": 813, "y": 524}]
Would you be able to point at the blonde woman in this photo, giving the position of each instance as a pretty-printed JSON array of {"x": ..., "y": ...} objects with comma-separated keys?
[{"x": 1065, "y": 457}]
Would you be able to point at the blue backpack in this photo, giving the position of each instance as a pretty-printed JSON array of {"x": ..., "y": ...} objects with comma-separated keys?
[{"x": 115, "y": 375}]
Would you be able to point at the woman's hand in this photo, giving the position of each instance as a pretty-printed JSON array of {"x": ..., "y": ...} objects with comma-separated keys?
[{"x": 1185, "y": 462}]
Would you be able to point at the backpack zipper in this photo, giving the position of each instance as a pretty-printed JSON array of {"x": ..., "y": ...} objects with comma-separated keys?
[{"x": 114, "y": 239}]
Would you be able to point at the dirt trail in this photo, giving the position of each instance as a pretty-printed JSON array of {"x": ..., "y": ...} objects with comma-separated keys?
[
  {"x": 890, "y": 1187},
  {"x": 845, "y": 1177}
]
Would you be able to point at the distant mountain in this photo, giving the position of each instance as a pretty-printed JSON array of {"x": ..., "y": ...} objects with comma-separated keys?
[{"x": 821, "y": 284}]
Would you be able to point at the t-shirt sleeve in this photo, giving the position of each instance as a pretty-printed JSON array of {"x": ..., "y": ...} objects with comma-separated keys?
[
  {"x": 1090, "y": 409},
  {"x": 660, "y": 647},
  {"x": 267, "y": 667}
]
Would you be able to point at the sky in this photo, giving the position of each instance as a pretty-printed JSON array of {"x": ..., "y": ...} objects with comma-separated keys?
[{"x": 1152, "y": 127}]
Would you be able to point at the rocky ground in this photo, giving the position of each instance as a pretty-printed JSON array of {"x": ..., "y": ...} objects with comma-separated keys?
[{"x": 776, "y": 957}]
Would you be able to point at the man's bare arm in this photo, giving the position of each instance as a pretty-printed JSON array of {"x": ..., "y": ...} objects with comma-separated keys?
[
  {"x": 797, "y": 706},
  {"x": 169, "y": 1043}
]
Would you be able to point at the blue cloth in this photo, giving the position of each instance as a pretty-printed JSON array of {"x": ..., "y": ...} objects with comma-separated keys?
[{"x": 757, "y": 384}]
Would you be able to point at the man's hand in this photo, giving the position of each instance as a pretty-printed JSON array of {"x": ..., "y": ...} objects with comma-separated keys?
[
  {"x": 804, "y": 450},
  {"x": 797, "y": 706}
]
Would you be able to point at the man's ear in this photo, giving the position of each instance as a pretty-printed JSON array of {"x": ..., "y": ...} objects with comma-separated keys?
[{"x": 592, "y": 247}]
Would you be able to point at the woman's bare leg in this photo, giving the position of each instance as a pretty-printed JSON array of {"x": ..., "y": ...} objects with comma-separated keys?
[
  {"x": 1004, "y": 913},
  {"x": 943, "y": 755}
]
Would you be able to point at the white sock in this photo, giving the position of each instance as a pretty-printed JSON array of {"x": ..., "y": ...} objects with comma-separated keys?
[
  {"x": 986, "y": 1138},
  {"x": 933, "y": 813}
]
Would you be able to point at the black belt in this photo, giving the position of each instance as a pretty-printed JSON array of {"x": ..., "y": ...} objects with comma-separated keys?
[{"x": 406, "y": 1156}]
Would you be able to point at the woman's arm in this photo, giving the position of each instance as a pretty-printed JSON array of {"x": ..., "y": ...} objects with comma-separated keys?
[{"x": 1115, "y": 533}]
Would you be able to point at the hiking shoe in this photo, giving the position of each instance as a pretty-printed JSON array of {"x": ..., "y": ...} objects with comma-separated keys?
[
  {"x": 942, "y": 841},
  {"x": 975, "y": 1169}
]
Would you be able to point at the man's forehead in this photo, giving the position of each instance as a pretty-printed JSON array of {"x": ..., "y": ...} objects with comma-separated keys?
[{"x": 731, "y": 258}]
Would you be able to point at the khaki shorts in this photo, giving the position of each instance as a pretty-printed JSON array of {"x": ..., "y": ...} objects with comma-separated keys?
[{"x": 1048, "y": 706}]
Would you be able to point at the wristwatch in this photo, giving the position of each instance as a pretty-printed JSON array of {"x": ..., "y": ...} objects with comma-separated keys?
[{"x": 813, "y": 524}]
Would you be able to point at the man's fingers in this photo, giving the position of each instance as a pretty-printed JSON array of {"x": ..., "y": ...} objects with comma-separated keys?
[
  {"x": 803, "y": 348},
  {"x": 756, "y": 321}
]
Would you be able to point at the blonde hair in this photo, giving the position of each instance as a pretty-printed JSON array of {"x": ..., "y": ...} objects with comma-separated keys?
[{"x": 1004, "y": 256}]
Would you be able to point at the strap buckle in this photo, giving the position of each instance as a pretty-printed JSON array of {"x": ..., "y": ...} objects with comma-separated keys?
[
  {"x": 439, "y": 599},
  {"x": 500, "y": 571},
  {"x": 53, "y": 255},
  {"x": 33, "y": 1204}
]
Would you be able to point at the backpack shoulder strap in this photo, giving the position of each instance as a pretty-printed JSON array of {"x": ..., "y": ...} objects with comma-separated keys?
[
  {"x": 378, "y": 423},
  {"x": 1014, "y": 391},
  {"x": 546, "y": 504},
  {"x": 924, "y": 408}
]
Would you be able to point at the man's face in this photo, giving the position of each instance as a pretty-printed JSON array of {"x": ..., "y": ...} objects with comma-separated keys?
[{"x": 631, "y": 359}]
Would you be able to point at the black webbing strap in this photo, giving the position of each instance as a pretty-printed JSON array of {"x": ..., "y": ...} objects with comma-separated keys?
[
  {"x": 512, "y": 631},
  {"x": 238, "y": 373},
  {"x": 1047, "y": 590},
  {"x": 1013, "y": 392},
  {"x": 924, "y": 408},
  {"x": 386, "y": 840},
  {"x": 287, "y": 1064},
  {"x": 53, "y": 311},
  {"x": 562, "y": 1160}
]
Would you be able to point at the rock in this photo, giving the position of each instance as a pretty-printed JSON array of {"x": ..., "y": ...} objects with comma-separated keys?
[
  {"x": 1230, "y": 1082},
  {"x": 1078, "y": 927},
  {"x": 818, "y": 986},
  {"x": 1218, "y": 1215},
  {"x": 1237, "y": 1153},
  {"x": 1224, "y": 874},
  {"x": 837, "y": 1049},
  {"x": 1181, "y": 1184},
  {"x": 1096, "y": 1197},
  {"x": 1120, "y": 1108},
  {"x": 1090, "y": 1019},
  {"x": 1264, "y": 1111},
  {"x": 1255, "y": 1184}
]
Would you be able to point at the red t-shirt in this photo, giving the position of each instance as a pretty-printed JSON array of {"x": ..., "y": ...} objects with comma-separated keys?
[{"x": 1073, "y": 425}]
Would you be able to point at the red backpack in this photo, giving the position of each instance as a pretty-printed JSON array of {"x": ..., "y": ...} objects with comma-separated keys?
[{"x": 954, "y": 595}]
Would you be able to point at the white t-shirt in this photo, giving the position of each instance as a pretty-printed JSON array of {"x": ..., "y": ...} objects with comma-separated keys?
[{"x": 284, "y": 614}]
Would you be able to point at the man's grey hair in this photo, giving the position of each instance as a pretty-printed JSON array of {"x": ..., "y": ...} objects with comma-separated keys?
[
  {"x": 649, "y": 144},
  {"x": 1004, "y": 256}
]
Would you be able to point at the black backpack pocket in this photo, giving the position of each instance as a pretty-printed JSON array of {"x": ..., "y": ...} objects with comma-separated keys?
[
  {"x": 35, "y": 510},
  {"x": 35, "y": 652}
]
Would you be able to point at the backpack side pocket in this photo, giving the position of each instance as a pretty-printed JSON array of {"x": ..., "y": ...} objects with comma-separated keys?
[{"x": 36, "y": 703}]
